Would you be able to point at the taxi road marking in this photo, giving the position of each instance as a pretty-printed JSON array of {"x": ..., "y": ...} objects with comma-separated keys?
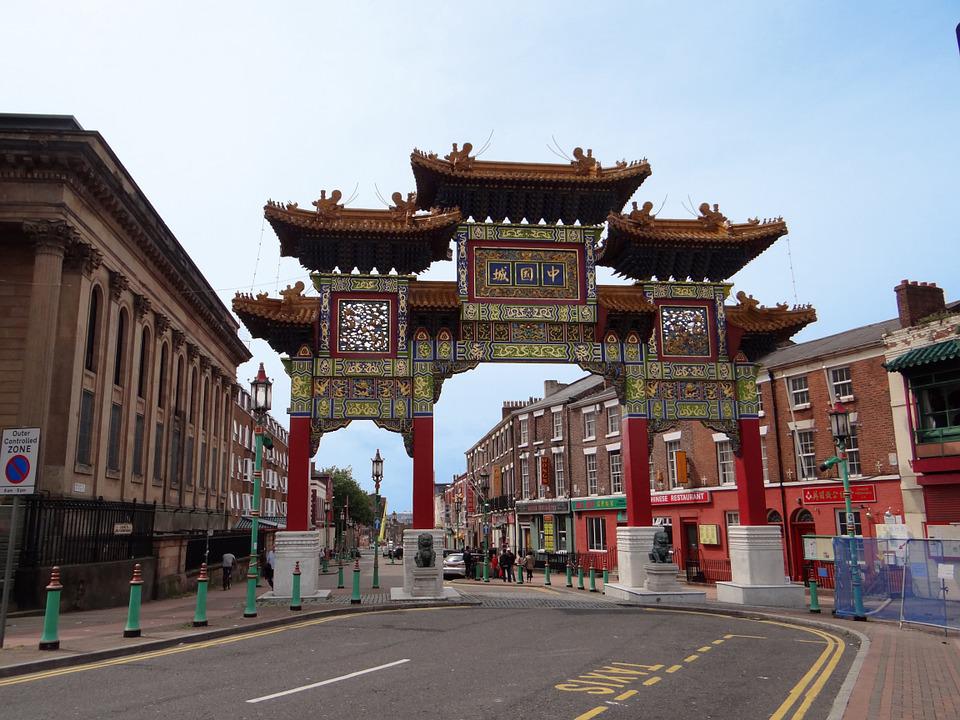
[
  {"x": 626, "y": 695},
  {"x": 591, "y": 713}
]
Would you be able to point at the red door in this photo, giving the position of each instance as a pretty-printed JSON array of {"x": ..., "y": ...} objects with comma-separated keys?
[{"x": 800, "y": 524}]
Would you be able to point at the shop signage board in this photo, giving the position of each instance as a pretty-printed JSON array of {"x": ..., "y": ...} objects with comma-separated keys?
[
  {"x": 681, "y": 498},
  {"x": 548, "y": 533},
  {"x": 833, "y": 494},
  {"x": 818, "y": 547},
  {"x": 607, "y": 503},
  {"x": 538, "y": 507},
  {"x": 709, "y": 534},
  {"x": 123, "y": 528}
]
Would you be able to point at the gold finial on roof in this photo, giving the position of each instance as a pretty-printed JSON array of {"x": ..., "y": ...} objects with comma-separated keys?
[
  {"x": 404, "y": 209},
  {"x": 712, "y": 219},
  {"x": 328, "y": 207},
  {"x": 643, "y": 216},
  {"x": 585, "y": 164},
  {"x": 460, "y": 159},
  {"x": 292, "y": 292}
]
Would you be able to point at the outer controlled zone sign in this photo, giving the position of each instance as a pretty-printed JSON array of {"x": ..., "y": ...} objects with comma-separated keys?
[{"x": 18, "y": 459}]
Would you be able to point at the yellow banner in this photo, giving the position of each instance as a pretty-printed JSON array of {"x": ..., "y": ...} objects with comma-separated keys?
[{"x": 383, "y": 521}]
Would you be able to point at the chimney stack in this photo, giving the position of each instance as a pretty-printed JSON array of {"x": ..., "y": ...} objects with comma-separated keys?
[
  {"x": 552, "y": 386},
  {"x": 916, "y": 301}
]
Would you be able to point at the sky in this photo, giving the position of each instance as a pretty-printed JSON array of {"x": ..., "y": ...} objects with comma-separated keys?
[{"x": 844, "y": 118}]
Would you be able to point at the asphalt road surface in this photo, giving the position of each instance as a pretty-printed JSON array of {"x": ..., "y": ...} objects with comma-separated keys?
[{"x": 465, "y": 663}]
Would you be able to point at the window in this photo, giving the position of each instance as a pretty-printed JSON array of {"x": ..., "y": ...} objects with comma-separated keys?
[
  {"x": 596, "y": 532},
  {"x": 673, "y": 448},
  {"x": 842, "y": 386},
  {"x": 162, "y": 385},
  {"x": 113, "y": 443},
  {"x": 589, "y": 425},
  {"x": 763, "y": 459},
  {"x": 144, "y": 363},
  {"x": 203, "y": 466},
  {"x": 557, "y": 425},
  {"x": 806, "y": 455},
  {"x": 118, "y": 357},
  {"x": 759, "y": 401},
  {"x": 613, "y": 420},
  {"x": 653, "y": 473},
  {"x": 592, "y": 486},
  {"x": 538, "y": 474},
  {"x": 213, "y": 471},
  {"x": 732, "y": 517},
  {"x": 93, "y": 319},
  {"x": 188, "y": 465},
  {"x": 842, "y": 522},
  {"x": 726, "y": 471},
  {"x": 558, "y": 474},
  {"x": 138, "y": 431},
  {"x": 938, "y": 406},
  {"x": 525, "y": 477},
  {"x": 853, "y": 452},
  {"x": 158, "y": 454},
  {"x": 616, "y": 472},
  {"x": 799, "y": 392},
  {"x": 524, "y": 431},
  {"x": 174, "y": 464},
  {"x": 85, "y": 428}
]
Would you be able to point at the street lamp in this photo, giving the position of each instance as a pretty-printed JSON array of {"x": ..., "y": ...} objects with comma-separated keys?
[
  {"x": 840, "y": 428},
  {"x": 458, "y": 507},
  {"x": 261, "y": 393},
  {"x": 484, "y": 488},
  {"x": 377, "y": 463}
]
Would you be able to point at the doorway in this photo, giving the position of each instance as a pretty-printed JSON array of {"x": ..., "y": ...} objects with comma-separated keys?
[
  {"x": 801, "y": 524},
  {"x": 691, "y": 552}
]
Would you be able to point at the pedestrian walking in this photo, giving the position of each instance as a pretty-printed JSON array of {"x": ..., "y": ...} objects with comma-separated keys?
[
  {"x": 467, "y": 563},
  {"x": 270, "y": 566},
  {"x": 528, "y": 564},
  {"x": 494, "y": 564},
  {"x": 227, "y": 563}
]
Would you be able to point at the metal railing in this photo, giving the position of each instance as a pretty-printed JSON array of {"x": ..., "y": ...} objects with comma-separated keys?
[
  {"x": 61, "y": 531},
  {"x": 233, "y": 542}
]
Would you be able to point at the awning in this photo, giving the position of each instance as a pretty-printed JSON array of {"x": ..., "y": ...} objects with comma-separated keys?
[
  {"x": 246, "y": 523},
  {"x": 946, "y": 350}
]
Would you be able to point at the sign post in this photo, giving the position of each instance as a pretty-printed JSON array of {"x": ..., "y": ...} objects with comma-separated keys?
[{"x": 18, "y": 458}]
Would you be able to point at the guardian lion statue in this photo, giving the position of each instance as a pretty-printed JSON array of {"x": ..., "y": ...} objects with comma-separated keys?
[
  {"x": 425, "y": 557},
  {"x": 661, "y": 547}
]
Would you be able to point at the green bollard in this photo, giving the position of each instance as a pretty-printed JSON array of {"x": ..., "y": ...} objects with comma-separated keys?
[
  {"x": 606, "y": 576},
  {"x": 593, "y": 579},
  {"x": 580, "y": 578},
  {"x": 569, "y": 575},
  {"x": 814, "y": 600},
  {"x": 355, "y": 597},
  {"x": 546, "y": 573},
  {"x": 200, "y": 616},
  {"x": 520, "y": 571},
  {"x": 340, "y": 584},
  {"x": 323, "y": 564},
  {"x": 132, "y": 629},
  {"x": 295, "y": 603},
  {"x": 50, "y": 637},
  {"x": 476, "y": 571}
]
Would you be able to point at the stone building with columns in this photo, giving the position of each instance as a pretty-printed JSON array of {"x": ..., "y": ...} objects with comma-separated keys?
[{"x": 114, "y": 344}]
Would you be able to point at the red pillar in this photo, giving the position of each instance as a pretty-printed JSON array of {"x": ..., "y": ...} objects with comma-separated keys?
[
  {"x": 635, "y": 454},
  {"x": 423, "y": 472},
  {"x": 298, "y": 475},
  {"x": 749, "y": 471}
]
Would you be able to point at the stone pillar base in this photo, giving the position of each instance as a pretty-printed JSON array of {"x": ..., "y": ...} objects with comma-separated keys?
[
  {"x": 422, "y": 583},
  {"x": 756, "y": 565},
  {"x": 661, "y": 577},
  {"x": 291, "y": 548},
  {"x": 660, "y": 588},
  {"x": 633, "y": 554}
]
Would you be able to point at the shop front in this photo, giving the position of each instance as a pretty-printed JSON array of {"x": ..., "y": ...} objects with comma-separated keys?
[
  {"x": 698, "y": 520},
  {"x": 595, "y": 521},
  {"x": 545, "y": 526}
]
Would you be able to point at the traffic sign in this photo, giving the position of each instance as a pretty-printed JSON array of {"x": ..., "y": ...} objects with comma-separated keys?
[{"x": 18, "y": 458}]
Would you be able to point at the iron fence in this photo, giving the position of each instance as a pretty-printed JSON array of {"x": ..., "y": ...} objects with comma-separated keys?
[
  {"x": 219, "y": 544},
  {"x": 62, "y": 531}
]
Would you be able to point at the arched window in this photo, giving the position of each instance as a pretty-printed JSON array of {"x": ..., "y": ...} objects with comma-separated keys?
[
  {"x": 205, "y": 404},
  {"x": 162, "y": 385},
  {"x": 773, "y": 517},
  {"x": 803, "y": 516},
  {"x": 118, "y": 358},
  {"x": 191, "y": 396},
  {"x": 144, "y": 362},
  {"x": 93, "y": 320},
  {"x": 177, "y": 397}
]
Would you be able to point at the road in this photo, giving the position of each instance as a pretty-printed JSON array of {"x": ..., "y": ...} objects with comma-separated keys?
[{"x": 479, "y": 662}]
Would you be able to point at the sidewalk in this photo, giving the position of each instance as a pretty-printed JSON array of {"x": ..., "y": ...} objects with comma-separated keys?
[{"x": 908, "y": 673}]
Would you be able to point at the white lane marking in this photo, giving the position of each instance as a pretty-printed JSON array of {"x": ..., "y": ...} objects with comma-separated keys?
[{"x": 327, "y": 682}]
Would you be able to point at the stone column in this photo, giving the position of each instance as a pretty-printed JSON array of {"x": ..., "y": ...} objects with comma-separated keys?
[
  {"x": 635, "y": 452},
  {"x": 49, "y": 239},
  {"x": 298, "y": 474}
]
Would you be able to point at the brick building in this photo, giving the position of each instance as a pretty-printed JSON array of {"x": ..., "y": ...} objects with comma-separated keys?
[{"x": 273, "y": 490}]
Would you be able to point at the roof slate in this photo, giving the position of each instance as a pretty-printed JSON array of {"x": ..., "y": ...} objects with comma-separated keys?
[{"x": 832, "y": 344}]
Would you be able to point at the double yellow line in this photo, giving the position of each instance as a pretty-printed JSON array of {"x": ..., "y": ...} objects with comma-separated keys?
[
  {"x": 43, "y": 675},
  {"x": 810, "y": 685}
]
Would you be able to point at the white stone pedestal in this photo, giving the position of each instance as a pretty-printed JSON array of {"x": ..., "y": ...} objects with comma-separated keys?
[
  {"x": 756, "y": 564},
  {"x": 422, "y": 583},
  {"x": 660, "y": 587},
  {"x": 633, "y": 554},
  {"x": 291, "y": 548}
]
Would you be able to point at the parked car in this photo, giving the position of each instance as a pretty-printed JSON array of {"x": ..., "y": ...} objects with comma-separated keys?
[{"x": 453, "y": 565}]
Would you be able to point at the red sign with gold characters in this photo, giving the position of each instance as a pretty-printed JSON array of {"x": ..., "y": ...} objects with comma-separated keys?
[
  {"x": 681, "y": 498},
  {"x": 833, "y": 494}
]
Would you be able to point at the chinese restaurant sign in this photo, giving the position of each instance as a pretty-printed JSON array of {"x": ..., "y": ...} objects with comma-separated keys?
[
  {"x": 833, "y": 495},
  {"x": 681, "y": 498}
]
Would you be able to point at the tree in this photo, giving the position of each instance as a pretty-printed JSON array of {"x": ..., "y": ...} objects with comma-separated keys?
[{"x": 345, "y": 486}]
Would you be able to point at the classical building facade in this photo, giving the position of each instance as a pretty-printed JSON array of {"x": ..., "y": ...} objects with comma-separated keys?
[{"x": 115, "y": 345}]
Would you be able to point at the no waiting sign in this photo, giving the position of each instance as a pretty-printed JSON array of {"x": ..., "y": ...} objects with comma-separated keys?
[{"x": 18, "y": 460}]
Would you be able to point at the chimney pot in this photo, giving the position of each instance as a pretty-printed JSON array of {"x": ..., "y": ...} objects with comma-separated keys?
[{"x": 918, "y": 300}]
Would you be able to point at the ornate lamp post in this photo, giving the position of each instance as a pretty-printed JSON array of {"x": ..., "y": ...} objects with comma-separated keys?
[
  {"x": 458, "y": 506},
  {"x": 261, "y": 392},
  {"x": 377, "y": 463},
  {"x": 840, "y": 428},
  {"x": 484, "y": 488}
]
